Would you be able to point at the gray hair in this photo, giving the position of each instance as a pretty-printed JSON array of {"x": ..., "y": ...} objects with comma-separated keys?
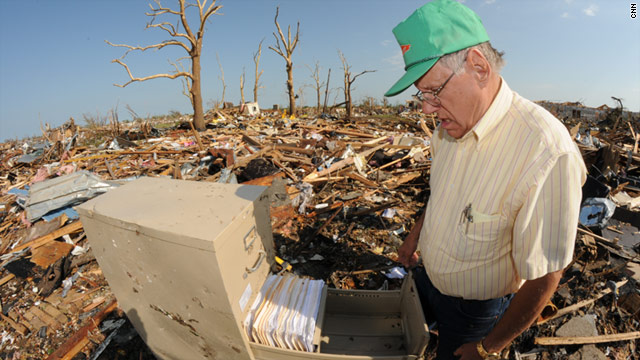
[{"x": 454, "y": 61}]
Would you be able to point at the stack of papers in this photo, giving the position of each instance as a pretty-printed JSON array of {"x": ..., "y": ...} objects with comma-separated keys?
[{"x": 284, "y": 313}]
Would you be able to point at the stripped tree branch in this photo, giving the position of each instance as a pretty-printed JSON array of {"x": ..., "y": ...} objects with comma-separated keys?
[
  {"x": 289, "y": 45},
  {"x": 256, "y": 60},
  {"x": 156, "y": 76},
  {"x": 348, "y": 81},
  {"x": 192, "y": 45}
]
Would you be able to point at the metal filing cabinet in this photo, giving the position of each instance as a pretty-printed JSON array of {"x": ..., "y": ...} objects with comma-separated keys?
[{"x": 186, "y": 259}]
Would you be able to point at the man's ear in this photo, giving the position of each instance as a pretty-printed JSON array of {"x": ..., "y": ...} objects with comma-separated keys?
[{"x": 478, "y": 66}]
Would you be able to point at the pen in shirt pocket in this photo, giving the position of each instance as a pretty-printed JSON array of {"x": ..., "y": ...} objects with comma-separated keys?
[{"x": 466, "y": 217}]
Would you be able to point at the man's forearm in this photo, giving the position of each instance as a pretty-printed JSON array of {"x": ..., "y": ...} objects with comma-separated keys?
[
  {"x": 526, "y": 306},
  {"x": 414, "y": 234}
]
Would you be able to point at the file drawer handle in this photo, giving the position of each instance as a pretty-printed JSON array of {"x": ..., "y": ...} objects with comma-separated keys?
[
  {"x": 251, "y": 233},
  {"x": 263, "y": 254}
]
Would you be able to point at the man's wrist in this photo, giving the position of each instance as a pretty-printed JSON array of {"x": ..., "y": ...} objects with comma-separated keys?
[{"x": 484, "y": 353}]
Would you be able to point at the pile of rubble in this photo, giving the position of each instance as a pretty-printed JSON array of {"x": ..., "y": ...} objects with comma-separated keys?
[{"x": 344, "y": 193}]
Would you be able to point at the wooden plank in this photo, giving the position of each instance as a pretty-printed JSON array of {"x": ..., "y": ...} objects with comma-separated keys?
[
  {"x": 292, "y": 149},
  {"x": 583, "y": 303},
  {"x": 265, "y": 180},
  {"x": 424, "y": 128},
  {"x": 33, "y": 322},
  {"x": 21, "y": 329},
  {"x": 94, "y": 304},
  {"x": 49, "y": 253},
  {"x": 601, "y": 239},
  {"x": 362, "y": 179},
  {"x": 408, "y": 156},
  {"x": 6, "y": 279},
  {"x": 402, "y": 179},
  {"x": 355, "y": 133},
  {"x": 341, "y": 164},
  {"x": 73, "y": 227},
  {"x": 54, "y": 312},
  {"x": 44, "y": 317},
  {"x": 80, "y": 339},
  {"x": 579, "y": 340}
]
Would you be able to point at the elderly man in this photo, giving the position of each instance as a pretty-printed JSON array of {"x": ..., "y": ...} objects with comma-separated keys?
[{"x": 506, "y": 179}]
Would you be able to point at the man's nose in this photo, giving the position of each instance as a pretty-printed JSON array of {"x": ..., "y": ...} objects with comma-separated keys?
[{"x": 428, "y": 108}]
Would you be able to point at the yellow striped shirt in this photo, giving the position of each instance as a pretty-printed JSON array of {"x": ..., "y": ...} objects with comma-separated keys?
[{"x": 504, "y": 201}]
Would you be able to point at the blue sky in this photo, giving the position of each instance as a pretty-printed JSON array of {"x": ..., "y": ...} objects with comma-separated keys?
[{"x": 54, "y": 63}]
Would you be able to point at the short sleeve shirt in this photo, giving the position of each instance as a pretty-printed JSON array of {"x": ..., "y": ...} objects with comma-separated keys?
[{"x": 504, "y": 201}]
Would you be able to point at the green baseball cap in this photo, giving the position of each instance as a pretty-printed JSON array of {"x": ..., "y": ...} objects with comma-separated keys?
[{"x": 438, "y": 28}]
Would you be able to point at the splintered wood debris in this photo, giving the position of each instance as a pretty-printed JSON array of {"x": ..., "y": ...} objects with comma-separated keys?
[{"x": 344, "y": 194}]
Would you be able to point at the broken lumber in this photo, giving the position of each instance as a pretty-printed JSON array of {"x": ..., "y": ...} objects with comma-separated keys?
[
  {"x": 580, "y": 340},
  {"x": 80, "y": 339},
  {"x": 341, "y": 164},
  {"x": 73, "y": 227},
  {"x": 583, "y": 303}
]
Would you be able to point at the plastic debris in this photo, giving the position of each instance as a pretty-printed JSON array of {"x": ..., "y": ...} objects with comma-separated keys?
[
  {"x": 596, "y": 212},
  {"x": 396, "y": 273}
]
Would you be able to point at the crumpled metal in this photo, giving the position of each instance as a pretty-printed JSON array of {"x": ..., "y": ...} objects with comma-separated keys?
[
  {"x": 71, "y": 189},
  {"x": 596, "y": 212}
]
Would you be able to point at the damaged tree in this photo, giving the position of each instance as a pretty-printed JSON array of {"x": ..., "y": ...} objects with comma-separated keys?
[
  {"x": 242, "y": 87},
  {"x": 326, "y": 92},
  {"x": 315, "y": 75},
  {"x": 192, "y": 45},
  {"x": 289, "y": 45},
  {"x": 348, "y": 81},
  {"x": 221, "y": 77},
  {"x": 256, "y": 60}
]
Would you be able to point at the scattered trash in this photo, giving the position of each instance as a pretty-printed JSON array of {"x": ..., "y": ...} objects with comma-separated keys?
[
  {"x": 344, "y": 194},
  {"x": 71, "y": 189},
  {"x": 596, "y": 212},
  {"x": 396, "y": 273}
]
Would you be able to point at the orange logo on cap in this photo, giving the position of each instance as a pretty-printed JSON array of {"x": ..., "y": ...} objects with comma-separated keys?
[{"x": 405, "y": 48}]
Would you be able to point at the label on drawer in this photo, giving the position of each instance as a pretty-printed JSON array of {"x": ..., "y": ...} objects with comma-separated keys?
[{"x": 244, "y": 299}]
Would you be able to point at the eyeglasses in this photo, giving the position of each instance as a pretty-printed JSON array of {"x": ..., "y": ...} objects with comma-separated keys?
[{"x": 431, "y": 97}]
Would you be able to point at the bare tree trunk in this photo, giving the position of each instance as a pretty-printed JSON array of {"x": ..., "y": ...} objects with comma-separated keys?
[
  {"x": 188, "y": 40},
  {"x": 347, "y": 99},
  {"x": 256, "y": 60},
  {"x": 315, "y": 75},
  {"x": 348, "y": 81},
  {"x": 292, "y": 94},
  {"x": 289, "y": 45},
  {"x": 326, "y": 93},
  {"x": 242, "y": 87},
  {"x": 221, "y": 77},
  {"x": 196, "y": 94}
]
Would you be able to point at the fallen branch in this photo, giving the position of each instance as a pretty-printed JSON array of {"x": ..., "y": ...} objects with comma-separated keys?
[
  {"x": 583, "y": 303},
  {"x": 579, "y": 340}
]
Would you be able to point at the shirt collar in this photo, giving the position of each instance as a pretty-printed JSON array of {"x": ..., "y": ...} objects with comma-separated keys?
[{"x": 494, "y": 114}]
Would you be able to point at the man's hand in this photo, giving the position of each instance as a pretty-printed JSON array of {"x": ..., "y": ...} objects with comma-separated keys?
[
  {"x": 526, "y": 306},
  {"x": 407, "y": 252},
  {"x": 468, "y": 351}
]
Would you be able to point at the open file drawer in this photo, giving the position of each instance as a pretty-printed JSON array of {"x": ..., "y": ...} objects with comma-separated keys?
[
  {"x": 186, "y": 259},
  {"x": 362, "y": 324}
]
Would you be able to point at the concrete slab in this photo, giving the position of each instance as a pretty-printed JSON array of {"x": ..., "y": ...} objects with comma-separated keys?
[
  {"x": 579, "y": 326},
  {"x": 588, "y": 352}
]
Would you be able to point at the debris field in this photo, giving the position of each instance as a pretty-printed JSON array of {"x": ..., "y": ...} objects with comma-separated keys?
[{"x": 344, "y": 193}]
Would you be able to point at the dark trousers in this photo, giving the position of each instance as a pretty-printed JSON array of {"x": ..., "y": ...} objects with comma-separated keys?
[{"x": 458, "y": 321}]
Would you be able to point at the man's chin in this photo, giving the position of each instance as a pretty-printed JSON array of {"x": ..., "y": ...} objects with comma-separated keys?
[{"x": 454, "y": 133}]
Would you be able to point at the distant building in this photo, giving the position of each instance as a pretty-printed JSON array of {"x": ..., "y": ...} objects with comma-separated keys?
[{"x": 576, "y": 110}]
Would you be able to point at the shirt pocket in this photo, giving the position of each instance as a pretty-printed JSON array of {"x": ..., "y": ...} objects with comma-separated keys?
[{"x": 478, "y": 240}]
